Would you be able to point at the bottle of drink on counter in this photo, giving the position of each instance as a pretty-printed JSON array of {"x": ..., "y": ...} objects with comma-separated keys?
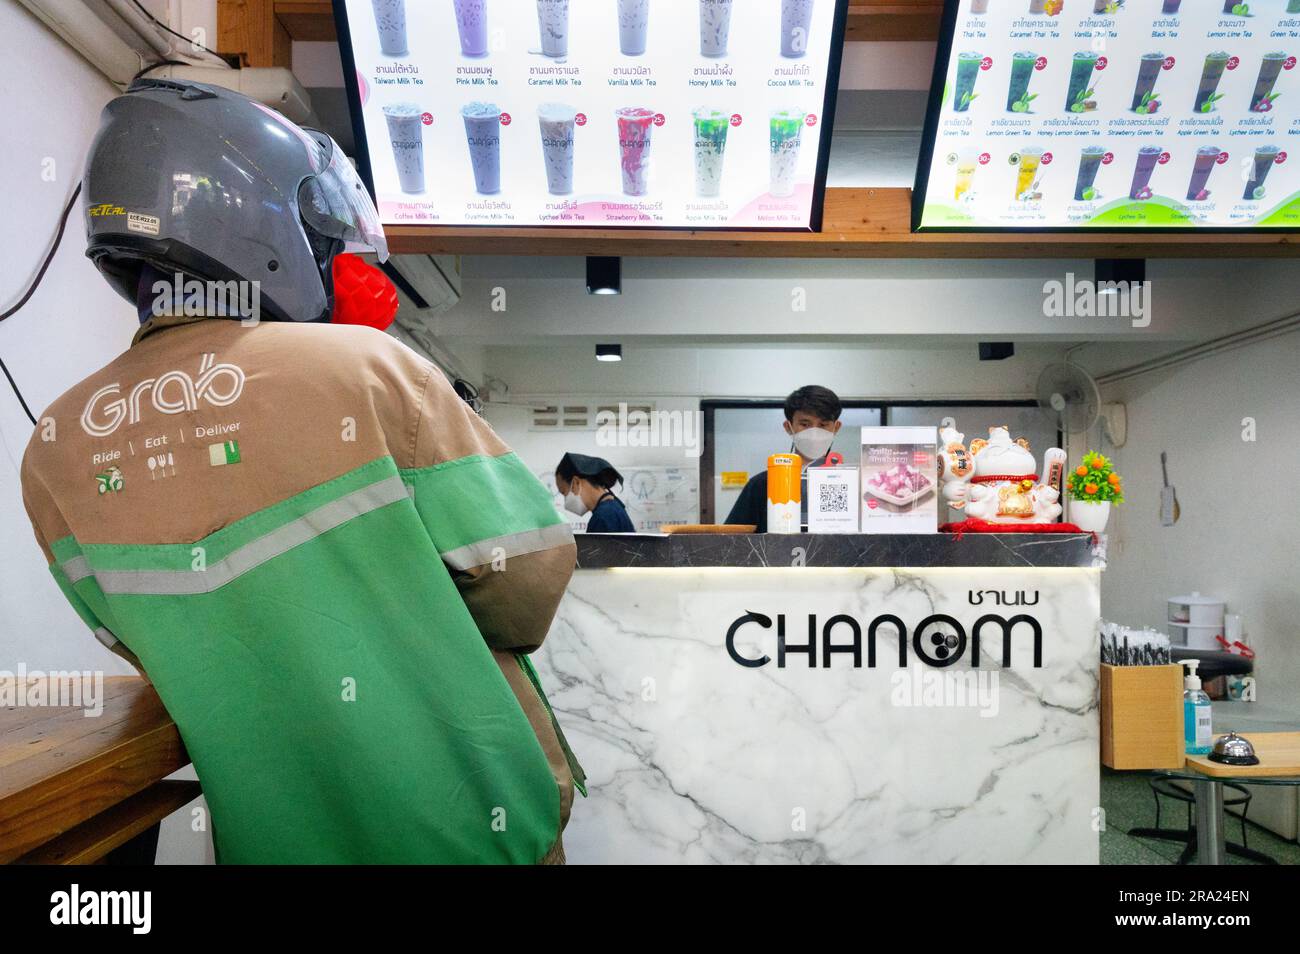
[
  {"x": 1197, "y": 733},
  {"x": 784, "y": 493}
]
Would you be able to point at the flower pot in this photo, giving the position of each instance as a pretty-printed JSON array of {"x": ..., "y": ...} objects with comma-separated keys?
[{"x": 1090, "y": 517}]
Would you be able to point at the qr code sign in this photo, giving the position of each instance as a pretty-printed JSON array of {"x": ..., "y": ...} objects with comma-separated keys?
[{"x": 834, "y": 498}]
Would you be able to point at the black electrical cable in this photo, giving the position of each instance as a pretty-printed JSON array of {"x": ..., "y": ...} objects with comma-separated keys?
[
  {"x": 54, "y": 247},
  {"x": 154, "y": 66},
  {"x": 179, "y": 36}
]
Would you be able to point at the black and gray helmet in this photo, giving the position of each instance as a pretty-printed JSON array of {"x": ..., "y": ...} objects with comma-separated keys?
[{"x": 205, "y": 181}]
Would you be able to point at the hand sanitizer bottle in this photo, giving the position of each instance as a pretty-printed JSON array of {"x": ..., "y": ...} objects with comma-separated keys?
[{"x": 1197, "y": 733}]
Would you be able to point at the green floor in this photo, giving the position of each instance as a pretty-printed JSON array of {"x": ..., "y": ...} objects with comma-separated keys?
[{"x": 1127, "y": 800}]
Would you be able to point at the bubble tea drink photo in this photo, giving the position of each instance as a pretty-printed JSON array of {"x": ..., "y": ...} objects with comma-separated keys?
[
  {"x": 483, "y": 135},
  {"x": 715, "y": 27},
  {"x": 1261, "y": 99},
  {"x": 633, "y": 18},
  {"x": 635, "y": 124},
  {"x": 1265, "y": 159},
  {"x": 1080, "y": 88},
  {"x": 796, "y": 17},
  {"x": 471, "y": 23},
  {"x": 1027, "y": 174},
  {"x": 1144, "y": 90},
  {"x": 1147, "y": 158},
  {"x": 965, "y": 177},
  {"x": 553, "y": 24},
  {"x": 406, "y": 133},
  {"x": 1211, "y": 73},
  {"x": 557, "y": 123},
  {"x": 1207, "y": 157},
  {"x": 979, "y": 6},
  {"x": 1022, "y": 71},
  {"x": 968, "y": 70},
  {"x": 390, "y": 20},
  {"x": 711, "y": 127},
  {"x": 786, "y": 128},
  {"x": 1089, "y": 162}
]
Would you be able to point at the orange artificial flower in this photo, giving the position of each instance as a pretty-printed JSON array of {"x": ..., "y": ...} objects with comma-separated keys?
[
  {"x": 1114, "y": 480},
  {"x": 1081, "y": 471},
  {"x": 1090, "y": 488}
]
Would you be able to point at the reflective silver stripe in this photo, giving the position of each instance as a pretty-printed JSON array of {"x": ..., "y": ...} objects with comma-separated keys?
[
  {"x": 78, "y": 568},
  {"x": 253, "y": 554},
  {"x": 512, "y": 545},
  {"x": 105, "y": 637}
]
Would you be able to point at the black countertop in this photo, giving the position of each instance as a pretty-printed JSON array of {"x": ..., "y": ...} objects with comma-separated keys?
[{"x": 598, "y": 551}]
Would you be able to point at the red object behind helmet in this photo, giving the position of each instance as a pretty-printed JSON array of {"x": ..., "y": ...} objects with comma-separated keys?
[{"x": 363, "y": 295}]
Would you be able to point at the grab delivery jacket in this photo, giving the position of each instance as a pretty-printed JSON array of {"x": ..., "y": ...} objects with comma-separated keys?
[{"x": 332, "y": 571}]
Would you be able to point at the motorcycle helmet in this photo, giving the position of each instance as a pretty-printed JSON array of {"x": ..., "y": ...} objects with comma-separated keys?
[{"x": 202, "y": 180}]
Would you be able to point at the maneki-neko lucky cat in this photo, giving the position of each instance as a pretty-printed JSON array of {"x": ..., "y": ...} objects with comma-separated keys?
[{"x": 996, "y": 480}]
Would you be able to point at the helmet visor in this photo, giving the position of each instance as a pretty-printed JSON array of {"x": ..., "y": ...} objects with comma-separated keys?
[{"x": 335, "y": 203}]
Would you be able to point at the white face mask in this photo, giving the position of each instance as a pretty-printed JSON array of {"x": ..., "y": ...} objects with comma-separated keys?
[
  {"x": 813, "y": 442},
  {"x": 573, "y": 503}
]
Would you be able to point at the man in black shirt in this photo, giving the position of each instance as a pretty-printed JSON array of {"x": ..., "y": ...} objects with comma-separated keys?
[{"x": 812, "y": 419}]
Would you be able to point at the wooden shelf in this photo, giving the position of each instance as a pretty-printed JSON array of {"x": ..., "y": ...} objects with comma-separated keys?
[
  {"x": 868, "y": 19},
  {"x": 859, "y": 223}
]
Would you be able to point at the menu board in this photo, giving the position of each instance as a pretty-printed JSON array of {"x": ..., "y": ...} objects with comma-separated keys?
[
  {"x": 683, "y": 114},
  {"x": 1113, "y": 114}
]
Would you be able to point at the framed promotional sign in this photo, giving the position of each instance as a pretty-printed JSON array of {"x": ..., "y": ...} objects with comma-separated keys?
[
  {"x": 1144, "y": 115},
  {"x": 673, "y": 114}
]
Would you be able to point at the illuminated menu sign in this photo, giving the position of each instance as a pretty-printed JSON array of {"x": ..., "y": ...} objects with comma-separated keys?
[
  {"x": 1113, "y": 114},
  {"x": 677, "y": 114}
]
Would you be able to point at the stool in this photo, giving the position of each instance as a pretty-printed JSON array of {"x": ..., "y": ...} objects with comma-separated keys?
[{"x": 1165, "y": 786}]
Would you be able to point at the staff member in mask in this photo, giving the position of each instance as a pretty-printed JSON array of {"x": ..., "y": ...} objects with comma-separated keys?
[
  {"x": 812, "y": 419},
  {"x": 587, "y": 484}
]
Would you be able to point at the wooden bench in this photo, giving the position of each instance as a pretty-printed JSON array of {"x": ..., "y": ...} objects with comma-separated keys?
[{"x": 75, "y": 788}]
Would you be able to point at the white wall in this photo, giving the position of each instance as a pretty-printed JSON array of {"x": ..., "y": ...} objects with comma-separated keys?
[
  {"x": 72, "y": 326},
  {"x": 1239, "y": 534}
]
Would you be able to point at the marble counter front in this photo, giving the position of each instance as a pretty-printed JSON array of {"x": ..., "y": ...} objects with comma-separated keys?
[{"x": 766, "y": 712}]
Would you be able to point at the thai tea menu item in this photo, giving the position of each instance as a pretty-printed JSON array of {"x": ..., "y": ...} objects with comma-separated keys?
[
  {"x": 1099, "y": 114},
  {"x": 663, "y": 114}
]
